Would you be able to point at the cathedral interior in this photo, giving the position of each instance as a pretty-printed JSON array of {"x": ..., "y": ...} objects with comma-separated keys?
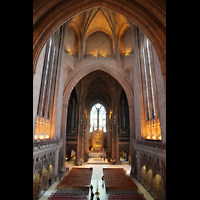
[{"x": 99, "y": 86}]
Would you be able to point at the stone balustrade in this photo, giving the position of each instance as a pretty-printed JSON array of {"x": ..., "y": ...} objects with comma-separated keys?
[
  {"x": 152, "y": 145},
  {"x": 40, "y": 145}
]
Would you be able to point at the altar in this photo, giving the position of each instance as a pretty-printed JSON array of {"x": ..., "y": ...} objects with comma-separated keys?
[{"x": 97, "y": 140}]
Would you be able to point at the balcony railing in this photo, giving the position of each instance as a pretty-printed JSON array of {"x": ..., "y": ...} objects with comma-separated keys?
[
  {"x": 157, "y": 145},
  {"x": 40, "y": 145}
]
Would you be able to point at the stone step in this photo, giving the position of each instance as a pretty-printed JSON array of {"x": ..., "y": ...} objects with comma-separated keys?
[{"x": 97, "y": 155}]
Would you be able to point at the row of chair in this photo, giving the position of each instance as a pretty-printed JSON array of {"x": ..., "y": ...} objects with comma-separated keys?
[
  {"x": 127, "y": 197},
  {"x": 77, "y": 177},
  {"x": 64, "y": 191},
  {"x": 68, "y": 196},
  {"x": 73, "y": 181},
  {"x": 115, "y": 171},
  {"x": 122, "y": 192},
  {"x": 116, "y": 177}
]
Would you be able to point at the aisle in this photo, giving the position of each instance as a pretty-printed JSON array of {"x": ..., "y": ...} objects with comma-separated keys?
[{"x": 96, "y": 176}]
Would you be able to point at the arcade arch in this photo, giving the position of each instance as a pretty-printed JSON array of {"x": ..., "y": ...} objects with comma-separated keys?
[
  {"x": 157, "y": 186},
  {"x": 44, "y": 178},
  {"x": 36, "y": 184},
  {"x": 51, "y": 171}
]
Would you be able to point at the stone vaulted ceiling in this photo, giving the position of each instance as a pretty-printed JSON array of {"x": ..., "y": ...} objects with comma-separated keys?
[{"x": 99, "y": 19}]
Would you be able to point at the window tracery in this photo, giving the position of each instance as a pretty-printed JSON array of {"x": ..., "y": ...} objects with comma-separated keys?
[
  {"x": 47, "y": 87},
  {"x": 98, "y": 117},
  {"x": 152, "y": 128}
]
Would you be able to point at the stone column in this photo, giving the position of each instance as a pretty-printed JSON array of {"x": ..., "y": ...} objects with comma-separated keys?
[
  {"x": 123, "y": 117},
  {"x": 56, "y": 171},
  {"x": 73, "y": 114},
  {"x": 80, "y": 153},
  {"x": 115, "y": 146}
]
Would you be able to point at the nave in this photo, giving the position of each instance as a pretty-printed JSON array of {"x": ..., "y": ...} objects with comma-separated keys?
[{"x": 96, "y": 176}]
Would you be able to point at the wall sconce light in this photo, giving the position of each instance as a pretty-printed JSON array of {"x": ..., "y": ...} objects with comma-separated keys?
[
  {"x": 36, "y": 136},
  {"x": 114, "y": 119},
  {"x": 41, "y": 135},
  {"x": 68, "y": 52},
  {"x": 46, "y": 136}
]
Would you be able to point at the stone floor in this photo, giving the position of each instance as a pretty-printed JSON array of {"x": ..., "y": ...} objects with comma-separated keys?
[
  {"x": 96, "y": 180},
  {"x": 97, "y": 161}
]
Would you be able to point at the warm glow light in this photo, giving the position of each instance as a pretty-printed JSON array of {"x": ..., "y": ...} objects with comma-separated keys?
[
  {"x": 36, "y": 136},
  {"x": 153, "y": 129},
  {"x": 41, "y": 136},
  {"x": 47, "y": 136}
]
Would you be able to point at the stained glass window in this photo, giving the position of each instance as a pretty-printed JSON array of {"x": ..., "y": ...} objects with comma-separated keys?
[
  {"x": 45, "y": 79},
  {"x": 146, "y": 81},
  {"x": 98, "y": 117},
  {"x": 150, "y": 72},
  {"x": 52, "y": 67}
]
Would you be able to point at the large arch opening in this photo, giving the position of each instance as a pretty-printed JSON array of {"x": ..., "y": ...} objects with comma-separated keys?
[
  {"x": 70, "y": 156},
  {"x": 101, "y": 102},
  {"x": 149, "y": 17}
]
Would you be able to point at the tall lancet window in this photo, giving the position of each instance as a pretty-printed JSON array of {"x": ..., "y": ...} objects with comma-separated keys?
[
  {"x": 98, "y": 117},
  {"x": 45, "y": 77},
  {"x": 151, "y": 126}
]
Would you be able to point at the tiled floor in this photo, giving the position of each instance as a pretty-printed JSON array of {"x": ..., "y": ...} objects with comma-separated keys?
[{"x": 96, "y": 176}]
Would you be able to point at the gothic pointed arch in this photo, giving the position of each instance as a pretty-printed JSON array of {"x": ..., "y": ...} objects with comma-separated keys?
[{"x": 98, "y": 66}]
